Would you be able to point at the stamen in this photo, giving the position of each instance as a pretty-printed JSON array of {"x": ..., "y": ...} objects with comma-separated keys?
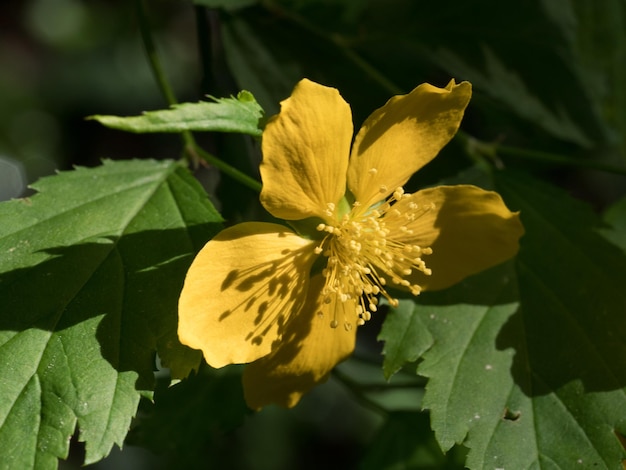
[
  {"x": 363, "y": 254},
  {"x": 330, "y": 209}
]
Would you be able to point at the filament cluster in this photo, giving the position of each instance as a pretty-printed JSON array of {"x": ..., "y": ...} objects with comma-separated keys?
[{"x": 364, "y": 253}]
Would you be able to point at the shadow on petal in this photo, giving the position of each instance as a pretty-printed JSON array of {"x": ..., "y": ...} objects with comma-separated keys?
[
  {"x": 469, "y": 230},
  {"x": 240, "y": 290},
  {"x": 305, "y": 354}
]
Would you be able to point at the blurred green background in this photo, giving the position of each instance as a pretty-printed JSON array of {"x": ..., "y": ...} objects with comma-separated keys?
[{"x": 549, "y": 92}]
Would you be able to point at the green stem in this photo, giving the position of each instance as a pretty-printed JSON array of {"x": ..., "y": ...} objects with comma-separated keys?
[
  {"x": 338, "y": 42},
  {"x": 204, "y": 46},
  {"x": 156, "y": 67},
  {"x": 355, "y": 388},
  {"x": 191, "y": 148},
  {"x": 392, "y": 88},
  {"x": 153, "y": 56},
  {"x": 560, "y": 159},
  {"x": 492, "y": 151},
  {"x": 227, "y": 169}
]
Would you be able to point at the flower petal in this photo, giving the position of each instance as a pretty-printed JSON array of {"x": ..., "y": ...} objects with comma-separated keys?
[
  {"x": 309, "y": 351},
  {"x": 240, "y": 291},
  {"x": 305, "y": 153},
  {"x": 403, "y": 136},
  {"x": 469, "y": 230}
]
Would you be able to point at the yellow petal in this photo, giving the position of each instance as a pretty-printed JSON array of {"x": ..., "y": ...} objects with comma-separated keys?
[
  {"x": 403, "y": 136},
  {"x": 240, "y": 291},
  {"x": 305, "y": 153},
  {"x": 309, "y": 351},
  {"x": 469, "y": 230}
]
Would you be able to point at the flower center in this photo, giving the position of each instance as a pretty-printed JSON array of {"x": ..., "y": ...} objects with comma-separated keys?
[{"x": 364, "y": 253}]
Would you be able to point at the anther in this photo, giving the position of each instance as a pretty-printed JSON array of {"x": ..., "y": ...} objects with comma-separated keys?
[{"x": 330, "y": 209}]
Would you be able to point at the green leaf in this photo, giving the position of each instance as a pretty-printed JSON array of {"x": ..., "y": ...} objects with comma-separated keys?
[
  {"x": 269, "y": 51},
  {"x": 242, "y": 115},
  {"x": 468, "y": 375},
  {"x": 406, "y": 442},
  {"x": 90, "y": 273},
  {"x": 255, "y": 66},
  {"x": 188, "y": 421},
  {"x": 406, "y": 338},
  {"x": 569, "y": 335},
  {"x": 528, "y": 367},
  {"x": 601, "y": 46}
]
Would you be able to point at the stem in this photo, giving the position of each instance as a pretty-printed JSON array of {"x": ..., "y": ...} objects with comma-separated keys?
[
  {"x": 338, "y": 42},
  {"x": 157, "y": 69},
  {"x": 475, "y": 147},
  {"x": 355, "y": 389},
  {"x": 204, "y": 46},
  {"x": 227, "y": 169},
  {"x": 153, "y": 56},
  {"x": 191, "y": 148},
  {"x": 560, "y": 159}
]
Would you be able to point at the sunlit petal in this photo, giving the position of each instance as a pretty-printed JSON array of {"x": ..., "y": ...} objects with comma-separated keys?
[
  {"x": 305, "y": 153},
  {"x": 309, "y": 351},
  {"x": 240, "y": 291},
  {"x": 403, "y": 136},
  {"x": 469, "y": 230}
]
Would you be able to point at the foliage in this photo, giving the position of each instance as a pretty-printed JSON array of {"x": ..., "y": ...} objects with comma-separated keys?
[
  {"x": 241, "y": 114},
  {"x": 521, "y": 366}
]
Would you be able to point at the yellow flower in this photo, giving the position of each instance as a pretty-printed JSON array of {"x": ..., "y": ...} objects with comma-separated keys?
[{"x": 288, "y": 302}]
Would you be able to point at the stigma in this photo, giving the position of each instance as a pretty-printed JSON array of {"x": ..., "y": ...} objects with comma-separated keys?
[{"x": 365, "y": 253}]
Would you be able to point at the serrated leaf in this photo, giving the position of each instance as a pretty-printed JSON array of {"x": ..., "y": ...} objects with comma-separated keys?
[
  {"x": 521, "y": 55},
  {"x": 241, "y": 115},
  {"x": 534, "y": 377},
  {"x": 405, "y": 336},
  {"x": 90, "y": 272},
  {"x": 508, "y": 85},
  {"x": 467, "y": 373}
]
